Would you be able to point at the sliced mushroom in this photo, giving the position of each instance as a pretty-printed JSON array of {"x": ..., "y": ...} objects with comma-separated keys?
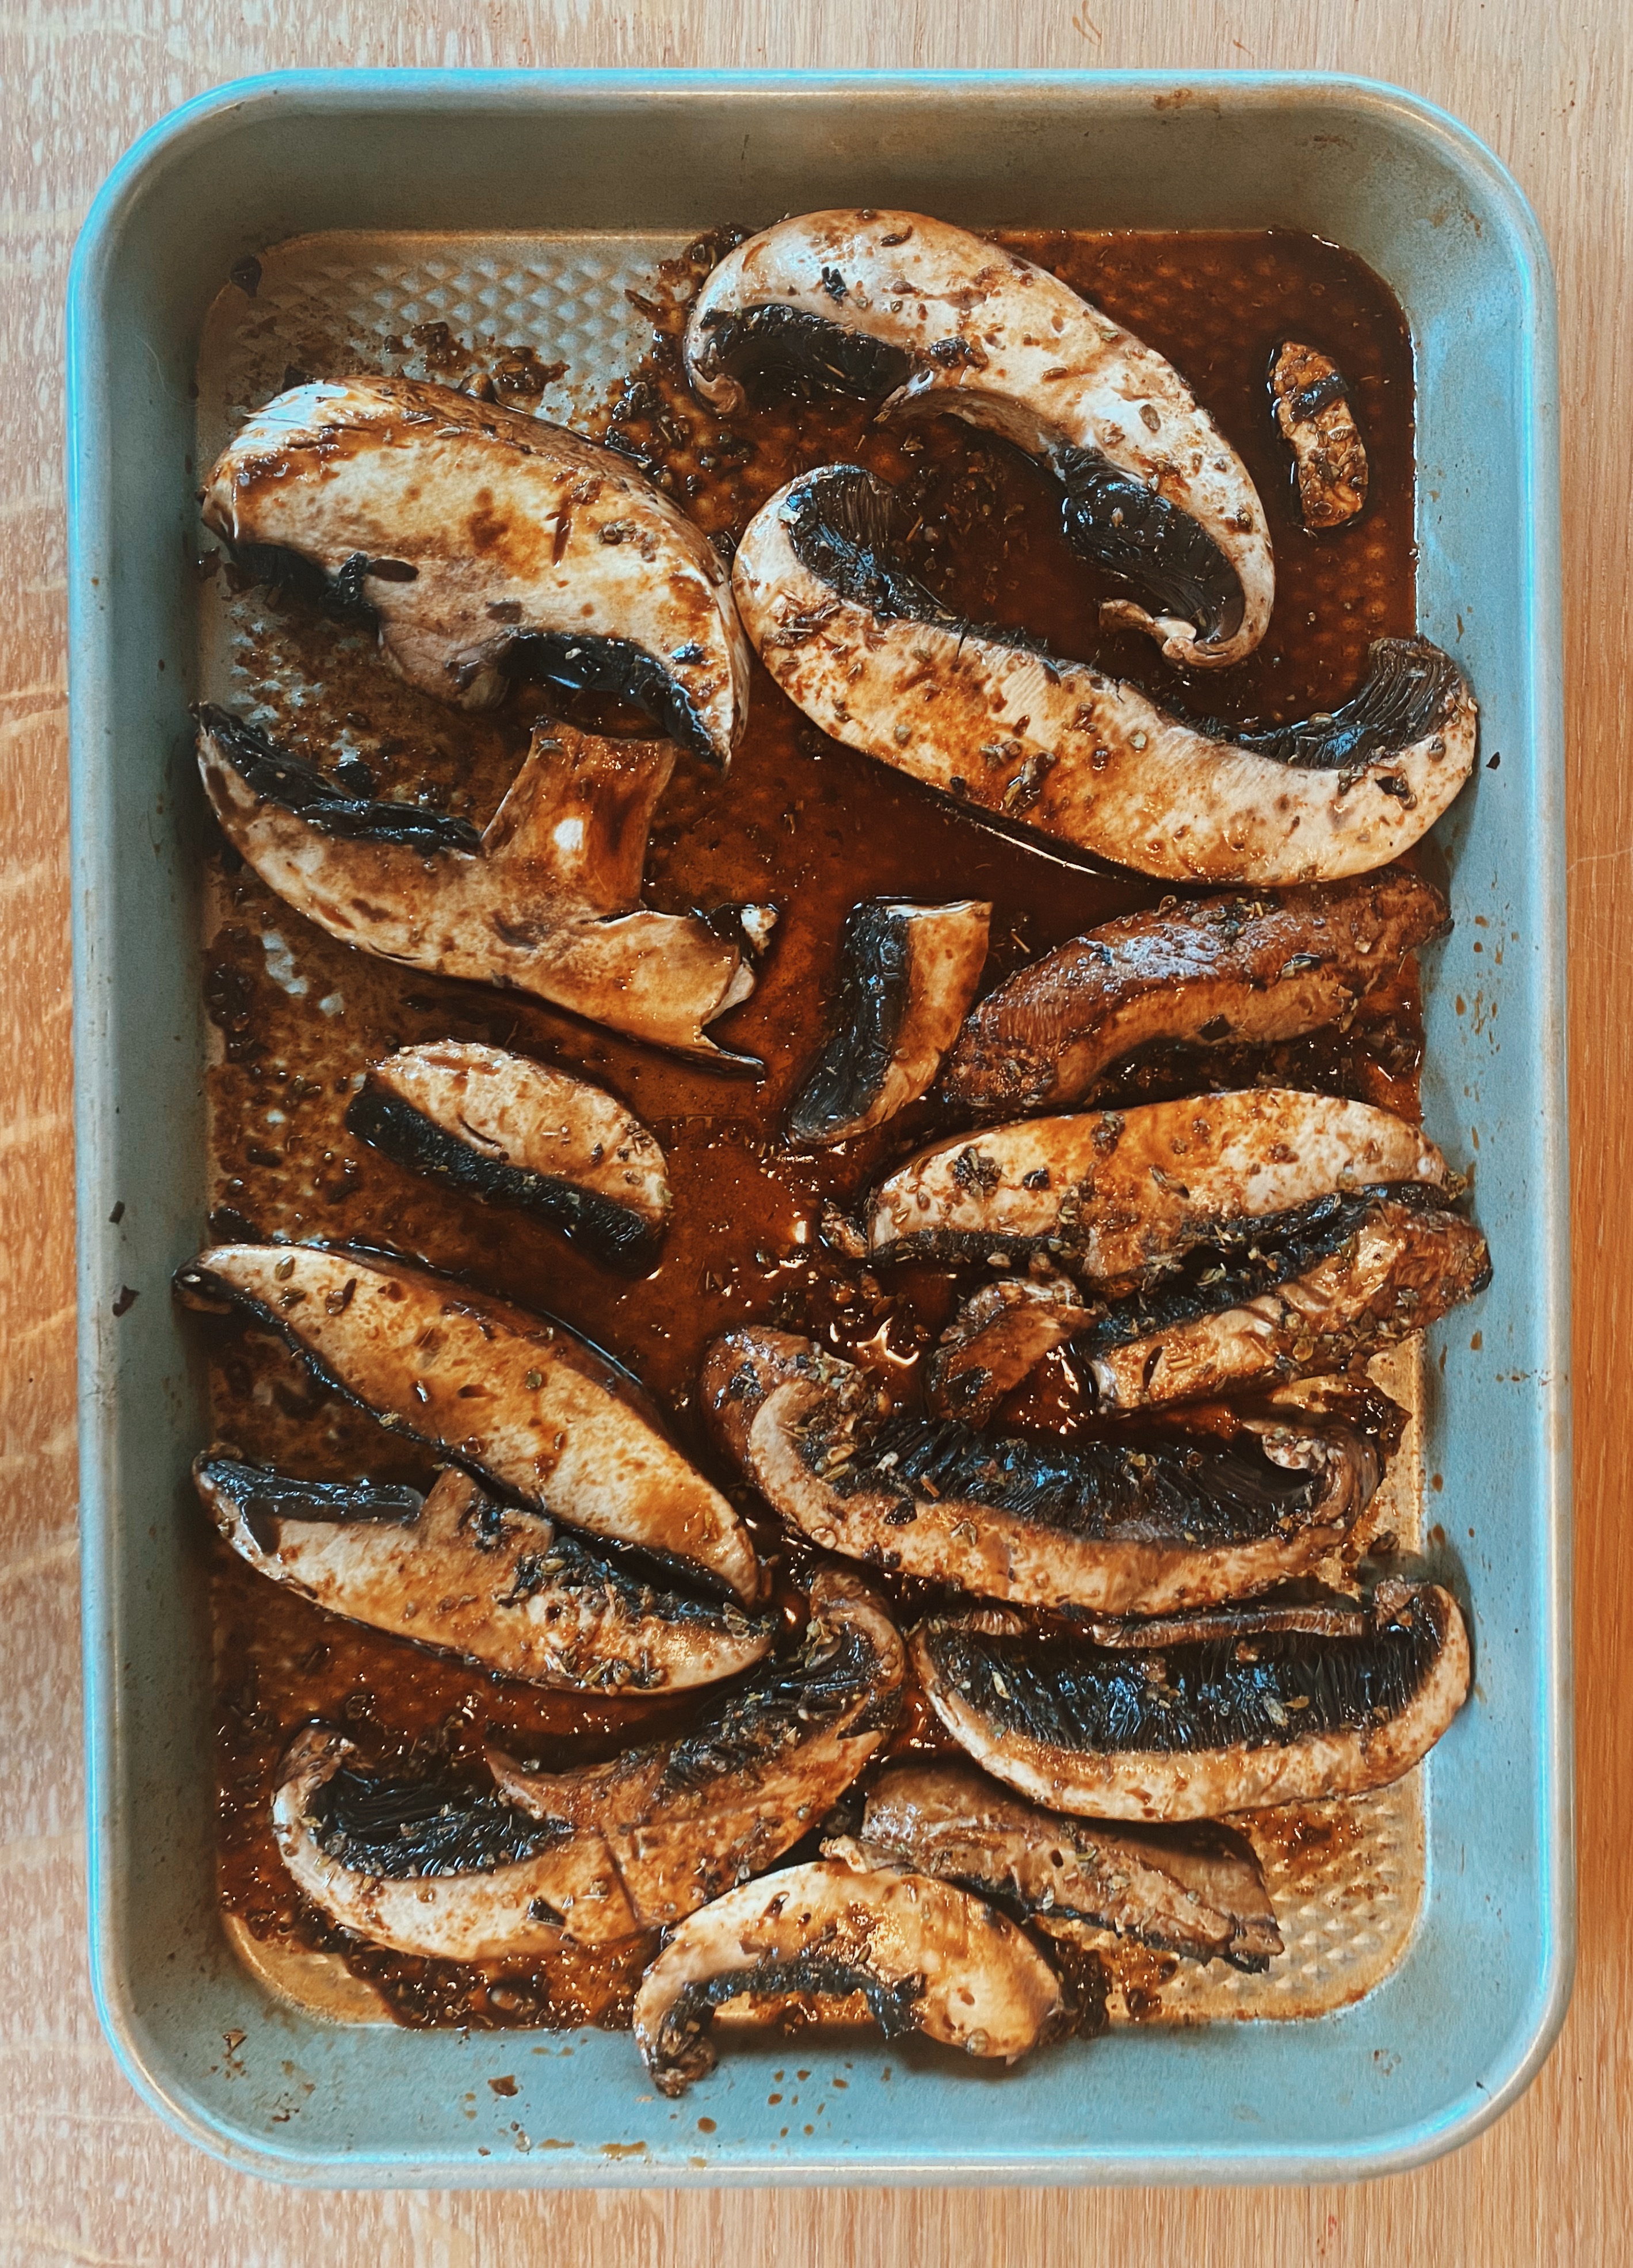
[
  {"x": 1115, "y": 1193},
  {"x": 1235, "y": 1711},
  {"x": 490, "y": 547},
  {"x": 686, "y": 1819},
  {"x": 437, "y": 1869},
  {"x": 998, "y": 1338},
  {"x": 985, "y": 715},
  {"x": 459, "y": 1571},
  {"x": 524, "y": 1404},
  {"x": 1198, "y": 1893},
  {"x": 1115, "y": 1527},
  {"x": 1307, "y": 1293},
  {"x": 1316, "y": 420},
  {"x": 837, "y": 1941},
  {"x": 1213, "y": 972},
  {"x": 545, "y": 900},
  {"x": 907, "y": 976},
  {"x": 872, "y": 303},
  {"x": 513, "y": 1132}
]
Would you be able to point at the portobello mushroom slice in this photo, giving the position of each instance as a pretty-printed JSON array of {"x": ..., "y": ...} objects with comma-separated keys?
[
  {"x": 897, "y": 304},
  {"x": 1114, "y": 1195},
  {"x": 1314, "y": 416},
  {"x": 1120, "y": 1527},
  {"x": 459, "y": 1571},
  {"x": 985, "y": 715},
  {"x": 545, "y": 900},
  {"x": 998, "y": 1338},
  {"x": 490, "y": 547},
  {"x": 510, "y": 1132},
  {"x": 436, "y": 1868},
  {"x": 907, "y": 974},
  {"x": 837, "y": 1941},
  {"x": 1199, "y": 1893},
  {"x": 1212, "y": 972},
  {"x": 523, "y": 1404},
  {"x": 1230, "y": 1712},
  {"x": 686, "y": 1819},
  {"x": 1312, "y": 1292}
]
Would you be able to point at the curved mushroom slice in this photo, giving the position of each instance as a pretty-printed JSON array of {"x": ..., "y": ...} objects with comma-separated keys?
[
  {"x": 1115, "y": 1527},
  {"x": 1115, "y": 1193},
  {"x": 430, "y": 1868},
  {"x": 1315, "y": 419},
  {"x": 459, "y": 1571},
  {"x": 1205, "y": 1899},
  {"x": 866, "y": 302},
  {"x": 490, "y": 546},
  {"x": 1308, "y": 1293},
  {"x": 513, "y": 1132},
  {"x": 998, "y": 1338},
  {"x": 832, "y": 1939},
  {"x": 522, "y": 1403},
  {"x": 1238, "y": 1711},
  {"x": 545, "y": 900},
  {"x": 878, "y": 662},
  {"x": 1214, "y": 972},
  {"x": 907, "y": 976}
]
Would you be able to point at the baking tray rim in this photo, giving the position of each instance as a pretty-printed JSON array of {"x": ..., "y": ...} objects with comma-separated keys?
[{"x": 206, "y": 118}]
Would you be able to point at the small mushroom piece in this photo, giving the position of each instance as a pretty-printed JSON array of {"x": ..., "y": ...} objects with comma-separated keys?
[
  {"x": 1119, "y": 1526},
  {"x": 907, "y": 976},
  {"x": 1228, "y": 1712},
  {"x": 1307, "y": 1294},
  {"x": 459, "y": 1571},
  {"x": 686, "y": 1819},
  {"x": 1011, "y": 732},
  {"x": 522, "y": 1403},
  {"x": 1112, "y": 1195},
  {"x": 836, "y": 1941},
  {"x": 998, "y": 1338},
  {"x": 899, "y": 305},
  {"x": 510, "y": 1132},
  {"x": 1210, "y": 972},
  {"x": 1198, "y": 1893},
  {"x": 435, "y": 1868},
  {"x": 490, "y": 547},
  {"x": 545, "y": 900},
  {"x": 1316, "y": 418}
]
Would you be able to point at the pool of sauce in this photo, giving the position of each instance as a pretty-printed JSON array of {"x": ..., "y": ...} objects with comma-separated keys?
[{"x": 813, "y": 828}]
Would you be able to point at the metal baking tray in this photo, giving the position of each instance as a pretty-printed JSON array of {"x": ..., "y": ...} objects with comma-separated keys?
[{"x": 531, "y": 196}]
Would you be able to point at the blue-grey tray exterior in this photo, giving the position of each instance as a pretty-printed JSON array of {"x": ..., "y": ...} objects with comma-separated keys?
[{"x": 1459, "y": 2029}]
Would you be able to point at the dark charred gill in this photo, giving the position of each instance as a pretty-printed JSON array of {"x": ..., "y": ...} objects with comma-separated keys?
[
  {"x": 1205, "y": 1491},
  {"x": 782, "y": 1703},
  {"x": 340, "y": 597},
  {"x": 816, "y": 1974},
  {"x": 613, "y": 1233},
  {"x": 782, "y": 349},
  {"x": 870, "y": 999},
  {"x": 404, "y": 1829},
  {"x": 1405, "y": 692},
  {"x": 576, "y": 669},
  {"x": 277, "y": 776},
  {"x": 1241, "y": 1260},
  {"x": 1148, "y": 544},
  {"x": 260, "y": 1493},
  {"x": 1264, "y": 1691}
]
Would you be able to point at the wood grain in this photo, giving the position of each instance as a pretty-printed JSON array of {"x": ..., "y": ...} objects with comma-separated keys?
[{"x": 86, "y": 2173}]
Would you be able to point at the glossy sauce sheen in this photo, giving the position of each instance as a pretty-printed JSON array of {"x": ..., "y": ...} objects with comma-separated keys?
[{"x": 813, "y": 828}]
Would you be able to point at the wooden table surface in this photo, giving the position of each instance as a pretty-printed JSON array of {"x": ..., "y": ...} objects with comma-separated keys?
[{"x": 87, "y": 2174}]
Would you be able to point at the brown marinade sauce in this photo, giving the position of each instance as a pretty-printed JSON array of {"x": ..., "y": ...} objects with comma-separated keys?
[{"x": 811, "y": 827}]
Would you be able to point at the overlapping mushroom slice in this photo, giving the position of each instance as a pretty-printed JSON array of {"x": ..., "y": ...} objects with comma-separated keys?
[
  {"x": 545, "y": 900},
  {"x": 1316, "y": 418},
  {"x": 840, "y": 1940},
  {"x": 907, "y": 974},
  {"x": 459, "y": 1571},
  {"x": 434, "y": 1868},
  {"x": 877, "y": 661},
  {"x": 685, "y": 1820},
  {"x": 1207, "y": 973},
  {"x": 490, "y": 546},
  {"x": 1175, "y": 1519},
  {"x": 895, "y": 303},
  {"x": 1225, "y": 1712},
  {"x": 524, "y": 1404},
  {"x": 1199, "y": 1893},
  {"x": 510, "y": 1132}
]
